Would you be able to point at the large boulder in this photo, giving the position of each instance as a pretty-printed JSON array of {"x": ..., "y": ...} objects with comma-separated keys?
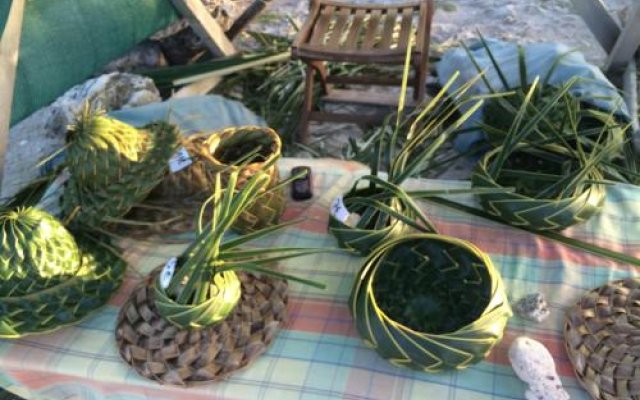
[{"x": 42, "y": 133}]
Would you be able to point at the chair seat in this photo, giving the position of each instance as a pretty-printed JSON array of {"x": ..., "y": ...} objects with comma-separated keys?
[{"x": 344, "y": 32}]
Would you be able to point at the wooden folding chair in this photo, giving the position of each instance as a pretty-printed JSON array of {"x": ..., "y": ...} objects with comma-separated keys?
[{"x": 361, "y": 34}]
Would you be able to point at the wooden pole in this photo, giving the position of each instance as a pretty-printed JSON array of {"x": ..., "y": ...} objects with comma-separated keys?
[{"x": 9, "y": 50}]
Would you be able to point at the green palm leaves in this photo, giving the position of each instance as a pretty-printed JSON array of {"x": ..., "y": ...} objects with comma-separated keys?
[
  {"x": 429, "y": 302},
  {"x": 204, "y": 288},
  {"x": 384, "y": 209}
]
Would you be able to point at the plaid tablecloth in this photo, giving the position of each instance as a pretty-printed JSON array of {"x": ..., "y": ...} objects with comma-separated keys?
[{"x": 319, "y": 354}]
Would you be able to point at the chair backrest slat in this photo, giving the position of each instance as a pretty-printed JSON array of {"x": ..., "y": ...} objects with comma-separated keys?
[
  {"x": 337, "y": 32},
  {"x": 321, "y": 26},
  {"x": 373, "y": 25}
]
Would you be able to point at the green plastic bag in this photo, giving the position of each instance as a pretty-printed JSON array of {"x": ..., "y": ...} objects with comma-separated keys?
[{"x": 65, "y": 42}]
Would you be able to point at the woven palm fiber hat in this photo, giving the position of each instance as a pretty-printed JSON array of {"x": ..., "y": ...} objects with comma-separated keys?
[
  {"x": 602, "y": 337},
  {"x": 48, "y": 279},
  {"x": 163, "y": 352}
]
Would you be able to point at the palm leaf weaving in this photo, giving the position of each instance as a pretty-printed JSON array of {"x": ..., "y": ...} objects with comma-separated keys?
[
  {"x": 206, "y": 300},
  {"x": 429, "y": 302},
  {"x": 113, "y": 166},
  {"x": 47, "y": 278},
  {"x": 181, "y": 193},
  {"x": 383, "y": 209}
]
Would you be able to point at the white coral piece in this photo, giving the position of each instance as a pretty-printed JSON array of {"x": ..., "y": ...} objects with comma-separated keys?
[{"x": 533, "y": 363}]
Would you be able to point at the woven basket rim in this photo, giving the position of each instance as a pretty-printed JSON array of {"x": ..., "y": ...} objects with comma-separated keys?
[
  {"x": 271, "y": 133},
  {"x": 481, "y": 170},
  {"x": 373, "y": 261}
]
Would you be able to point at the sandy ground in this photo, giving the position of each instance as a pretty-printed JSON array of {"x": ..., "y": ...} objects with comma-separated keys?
[{"x": 522, "y": 21}]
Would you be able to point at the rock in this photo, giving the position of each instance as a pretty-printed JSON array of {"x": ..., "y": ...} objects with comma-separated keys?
[
  {"x": 532, "y": 307},
  {"x": 42, "y": 133},
  {"x": 146, "y": 55},
  {"x": 533, "y": 364}
]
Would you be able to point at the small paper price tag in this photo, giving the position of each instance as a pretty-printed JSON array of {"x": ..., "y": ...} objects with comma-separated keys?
[
  {"x": 167, "y": 272},
  {"x": 180, "y": 160},
  {"x": 339, "y": 210}
]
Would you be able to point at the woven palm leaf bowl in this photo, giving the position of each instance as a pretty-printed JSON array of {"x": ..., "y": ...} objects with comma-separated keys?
[
  {"x": 48, "y": 279},
  {"x": 601, "y": 333},
  {"x": 248, "y": 320},
  {"x": 367, "y": 227},
  {"x": 429, "y": 302},
  {"x": 112, "y": 166},
  {"x": 530, "y": 172},
  {"x": 590, "y": 125},
  {"x": 184, "y": 191}
]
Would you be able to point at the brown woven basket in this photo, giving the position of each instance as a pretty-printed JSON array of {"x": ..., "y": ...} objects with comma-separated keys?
[
  {"x": 602, "y": 336},
  {"x": 160, "y": 351},
  {"x": 173, "y": 205}
]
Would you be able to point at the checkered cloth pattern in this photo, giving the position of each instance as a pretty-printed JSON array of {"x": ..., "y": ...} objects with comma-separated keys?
[{"x": 318, "y": 355}]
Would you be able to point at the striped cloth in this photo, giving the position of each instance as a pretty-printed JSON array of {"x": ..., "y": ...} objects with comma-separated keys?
[{"x": 319, "y": 354}]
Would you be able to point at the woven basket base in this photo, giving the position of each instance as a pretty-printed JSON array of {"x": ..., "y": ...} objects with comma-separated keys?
[
  {"x": 602, "y": 336},
  {"x": 160, "y": 351}
]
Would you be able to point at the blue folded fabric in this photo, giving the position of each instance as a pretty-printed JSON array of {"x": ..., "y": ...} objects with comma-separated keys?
[{"x": 594, "y": 89}]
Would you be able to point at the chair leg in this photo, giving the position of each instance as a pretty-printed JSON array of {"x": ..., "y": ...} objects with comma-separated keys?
[
  {"x": 307, "y": 107},
  {"x": 420, "y": 80},
  {"x": 322, "y": 74}
]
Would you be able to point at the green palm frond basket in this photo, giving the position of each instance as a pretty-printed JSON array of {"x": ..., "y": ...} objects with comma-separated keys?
[
  {"x": 365, "y": 236},
  {"x": 219, "y": 152},
  {"x": 406, "y": 148},
  {"x": 429, "y": 302},
  {"x": 530, "y": 171},
  {"x": 48, "y": 279}
]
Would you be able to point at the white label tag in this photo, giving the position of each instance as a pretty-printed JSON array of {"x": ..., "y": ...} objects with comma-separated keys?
[
  {"x": 339, "y": 210},
  {"x": 179, "y": 160},
  {"x": 167, "y": 272}
]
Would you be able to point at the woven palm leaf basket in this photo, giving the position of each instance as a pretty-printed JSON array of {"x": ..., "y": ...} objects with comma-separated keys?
[
  {"x": 174, "y": 204},
  {"x": 429, "y": 302},
  {"x": 48, "y": 279},
  {"x": 383, "y": 210},
  {"x": 533, "y": 172},
  {"x": 602, "y": 333},
  {"x": 199, "y": 318}
]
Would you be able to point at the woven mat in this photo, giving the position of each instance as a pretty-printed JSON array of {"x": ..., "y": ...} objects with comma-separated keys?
[
  {"x": 160, "y": 351},
  {"x": 602, "y": 335}
]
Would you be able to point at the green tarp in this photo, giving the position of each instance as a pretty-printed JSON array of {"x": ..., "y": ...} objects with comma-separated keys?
[{"x": 65, "y": 42}]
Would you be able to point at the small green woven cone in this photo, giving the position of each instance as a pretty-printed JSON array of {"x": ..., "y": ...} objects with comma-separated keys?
[
  {"x": 36, "y": 252},
  {"x": 102, "y": 150},
  {"x": 521, "y": 208},
  {"x": 73, "y": 297},
  {"x": 224, "y": 295},
  {"x": 429, "y": 302},
  {"x": 364, "y": 239},
  {"x": 93, "y": 206}
]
